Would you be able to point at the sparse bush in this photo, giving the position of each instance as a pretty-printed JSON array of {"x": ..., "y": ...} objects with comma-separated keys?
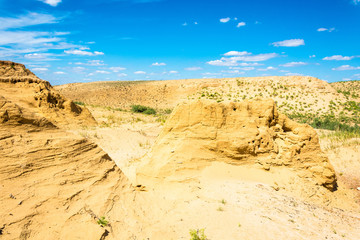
[
  {"x": 80, "y": 103},
  {"x": 143, "y": 109},
  {"x": 197, "y": 234},
  {"x": 102, "y": 222}
]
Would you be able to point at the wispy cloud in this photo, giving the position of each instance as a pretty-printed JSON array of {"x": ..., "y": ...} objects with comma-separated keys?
[
  {"x": 59, "y": 73},
  {"x": 325, "y": 29},
  {"x": 289, "y": 43},
  {"x": 224, "y": 20},
  {"x": 345, "y": 67},
  {"x": 339, "y": 58},
  {"x": 117, "y": 69},
  {"x": 30, "y": 19},
  {"x": 239, "y": 57},
  {"x": 193, "y": 68},
  {"x": 267, "y": 69},
  {"x": 139, "y": 72},
  {"x": 158, "y": 64},
  {"x": 52, "y": 3},
  {"x": 293, "y": 64},
  {"x": 83, "y": 53},
  {"x": 92, "y": 63}
]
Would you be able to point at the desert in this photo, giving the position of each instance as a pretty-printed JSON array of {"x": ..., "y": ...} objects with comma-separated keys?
[
  {"x": 179, "y": 120},
  {"x": 224, "y": 167}
]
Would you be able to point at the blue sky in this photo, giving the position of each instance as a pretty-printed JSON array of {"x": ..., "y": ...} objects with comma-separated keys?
[{"x": 65, "y": 41}]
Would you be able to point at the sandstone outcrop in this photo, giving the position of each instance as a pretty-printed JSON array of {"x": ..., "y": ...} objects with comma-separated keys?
[
  {"x": 20, "y": 88},
  {"x": 53, "y": 184},
  {"x": 248, "y": 133}
]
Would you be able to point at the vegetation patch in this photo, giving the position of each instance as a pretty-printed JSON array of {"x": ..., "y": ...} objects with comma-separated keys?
[{"x": 143, "y": 109}]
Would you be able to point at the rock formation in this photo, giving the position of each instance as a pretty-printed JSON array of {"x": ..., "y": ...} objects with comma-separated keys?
[
  {"x": 53, "y": 184},
  {"x": 21, "y": 89},
  {"x": 248, "y": 133}
]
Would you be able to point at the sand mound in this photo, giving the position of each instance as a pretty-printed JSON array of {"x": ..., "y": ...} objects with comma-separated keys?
[
  {"x": 54, "y": 185},
  {"x": 20, "y": 88},
  {"x": 250, "y": 134}
]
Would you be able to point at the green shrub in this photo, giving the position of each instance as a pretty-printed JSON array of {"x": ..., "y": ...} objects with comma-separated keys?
[
  {"x": 102, "y": 222},
  {"x": 80, "y": 103},
  {"x": 143, "y": 109},
  {"x": 197, "y": 234}
]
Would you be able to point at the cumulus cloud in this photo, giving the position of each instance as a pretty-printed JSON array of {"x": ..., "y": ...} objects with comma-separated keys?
[
  {"x": 289, "y": 43},
  {"x": 52, "y": 3},
  {"x": 293, "y": 64},
  {"x": 193, "y": 68},
  {"x": 158, "y": 64},
  {"x": 345, "y": 67},
  {"x": 139, "y": 72},
  {"x": 241, "y": 24},
  {"x": 83, "y": 53},
  {"x": 173, "y": 72},
  {"x": 224, "y": 20},
  {"x": 339, "y": 58}
]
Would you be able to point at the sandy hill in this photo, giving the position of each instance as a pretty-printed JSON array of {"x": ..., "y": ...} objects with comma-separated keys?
[
  {"x": 300, "y": 98},
  {"x": 205, "y": 171},
  {"x": 54, "y": 184}
]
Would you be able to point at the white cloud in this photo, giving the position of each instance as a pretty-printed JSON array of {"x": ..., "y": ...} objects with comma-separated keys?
[
  {"x": 158, "y": 64},
  {"x": 59, "y": 73},
  {"x": 39, "y": 56},
  {"x": 83, "y": 53},
  {"x": 289, "y": 43},
  {"x": 122, "y": 75},
  {"x": 78, "y": 69},
  {"x": 92, "y": 63},
  {"x": 224, "y": 20},
  {"x": 345, "y": 67},
  {"x": 267, "y": 69},
  {"x": 325, "y": 29},
  {"x": 102, "y": 72},
  {"x": 312, "y": 56},
  {"x": 294, "y": 74},
  {"x": 293, "y": 64},
  {"x": 236, "y": 53},
  {"x": 339, "y": 58},
  {"x": 117, "y": 69},
  {"x": 39, "y": 69},
  {"x": 31, "y": 19},
  {"x": 232, "y": 71},
  {"x": 26, "y": 38},
  {"x": 139, "y": 72},
  {"x": 193, "y": 68},
  {"x": 356, "y": 2},
  {"x": 185, "y": 24},
  {"x": 52, "y": 3},
  {"x": 196, "y": 23},
  {"x": 173, "y": 72},
  {"x": 241, "y": 24},
  {"x": 242, "y": 56}
]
